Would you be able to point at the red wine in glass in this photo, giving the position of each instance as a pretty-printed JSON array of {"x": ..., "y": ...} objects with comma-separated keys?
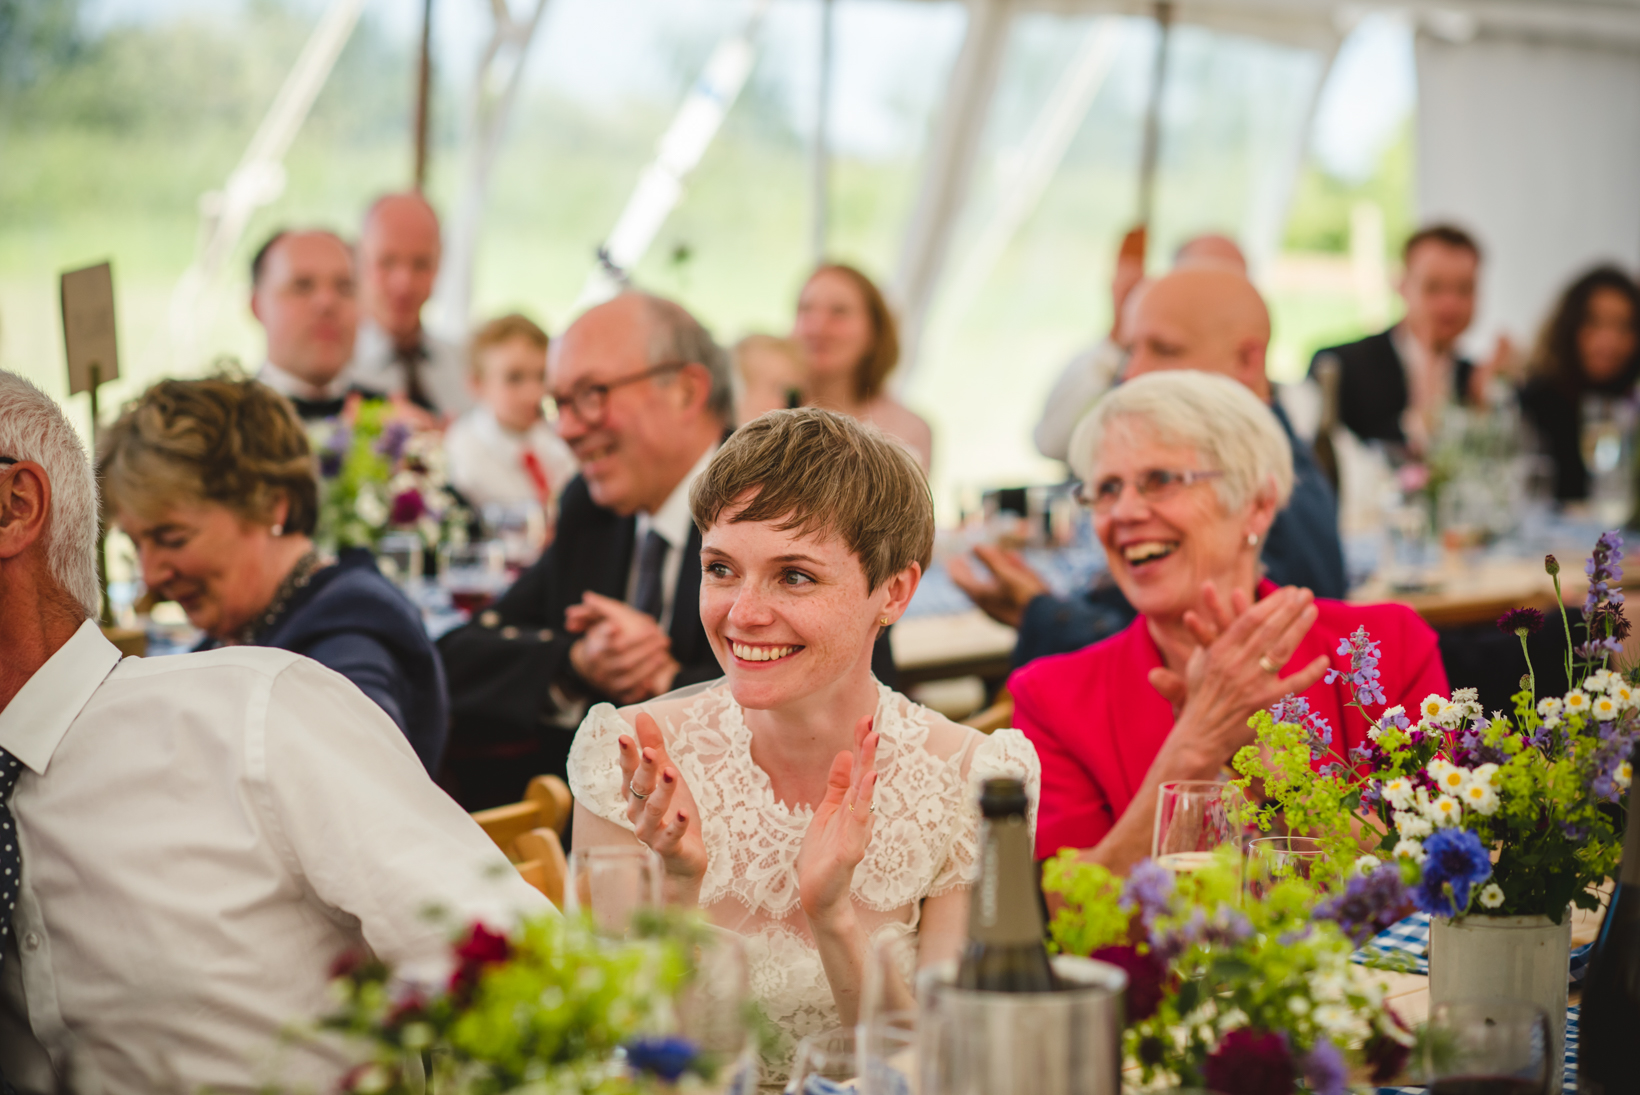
[{"x": 471, "y": 601}]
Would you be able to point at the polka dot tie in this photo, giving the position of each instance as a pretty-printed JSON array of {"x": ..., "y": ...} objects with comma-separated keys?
[{"x": 11, "y": 862}]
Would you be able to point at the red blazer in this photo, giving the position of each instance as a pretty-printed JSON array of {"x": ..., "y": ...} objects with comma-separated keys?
[{"x": 1097, "y": 723}]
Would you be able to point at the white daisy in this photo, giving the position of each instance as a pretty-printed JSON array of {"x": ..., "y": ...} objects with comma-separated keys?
[
  {"x": 1432, "y": 707},
  {"x": 1299, "y": 1005},
  {"x": 1576, "y": 702},
  {"x": 1444, "y": 811},
  {"x": 1549, "y": 706},
  {"x": 1366, "y": 865},
  {"x": 1492, "y": 896},
  {"x": 1450, "y": 779},
  {"x": 1624, "y": 775},
  {"x": 1605, "y": 708},
  {"x": 1622, "y": 693},
  {"x": 1599, "y": 681},
  {"x": 1480, "y": 797},
  {"x": 1333, "y": 1017},
  {"x": 1483, "y": 774},
  {"x": 1412, "y": 825},
  {"x": 1398, "y": 792},
  {"x": 1409, "y": 849}
]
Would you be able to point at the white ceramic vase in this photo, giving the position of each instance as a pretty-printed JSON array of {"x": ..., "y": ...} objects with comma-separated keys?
[{"x": 1514, "y": 957}]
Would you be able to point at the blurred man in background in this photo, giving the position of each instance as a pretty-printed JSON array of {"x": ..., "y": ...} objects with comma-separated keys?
[
  {"x": 1206, "y": 317},
  {"x": 399, "y": 251},
  {"x": 302, "y": 292},
  {"x": 1090, "y": 373},
  {"x": 1392, "y": 386}
]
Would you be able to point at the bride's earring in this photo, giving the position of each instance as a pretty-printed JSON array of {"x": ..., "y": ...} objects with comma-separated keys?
[
  {"x": 277, "y": 530},
  {"x": 885, "y": 621},
  {"x": 1252, "y": 539}
]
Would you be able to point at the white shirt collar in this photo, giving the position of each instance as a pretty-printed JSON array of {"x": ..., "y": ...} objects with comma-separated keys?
[
  {"x": 673, "y": 519},
  {"x": 294, "y": 387},
  {"x": 40, "y": 714}
]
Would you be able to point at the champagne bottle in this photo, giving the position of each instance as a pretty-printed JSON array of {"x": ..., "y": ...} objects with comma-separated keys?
[
  {"x": 1608, "y": 1055},
  {"x": 1005, "y": 952}
]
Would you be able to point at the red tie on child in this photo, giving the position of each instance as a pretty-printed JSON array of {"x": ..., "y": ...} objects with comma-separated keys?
[{"x": 538, "y": 477}]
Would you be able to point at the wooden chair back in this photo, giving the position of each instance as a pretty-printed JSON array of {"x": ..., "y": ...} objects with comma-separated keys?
[
  {"x": 547, "y": 803},
  {"x": 542, "y": 862}
]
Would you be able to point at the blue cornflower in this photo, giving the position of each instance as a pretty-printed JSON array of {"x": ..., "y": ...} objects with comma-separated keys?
[
  {"x": 668, "y": 1057},
  {"x": 1455, "y": 860}
]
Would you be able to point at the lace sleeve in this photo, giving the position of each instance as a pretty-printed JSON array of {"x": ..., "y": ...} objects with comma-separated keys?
[
  {"x": 595, "y": 766},
  {"x": 1004, "y": 753}
]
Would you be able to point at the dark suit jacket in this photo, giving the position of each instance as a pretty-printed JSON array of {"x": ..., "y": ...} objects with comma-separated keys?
[
  {"x": 1372, "y": 387},
  {"x": 1302, "y": 549},
  {"x": 351, "y": 619},
  {"x": 504, "y": 667}
]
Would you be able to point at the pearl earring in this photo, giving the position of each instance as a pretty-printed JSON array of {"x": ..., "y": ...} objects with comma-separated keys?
[
  {"x": 1252, "y": 539},
  {"x": 277, "y": 530}
]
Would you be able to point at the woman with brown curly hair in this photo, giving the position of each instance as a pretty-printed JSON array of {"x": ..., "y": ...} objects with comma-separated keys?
[
  {"x": 214, "y": 483},
  {"x": 852, "y": 344},
  {"x": 1583, "y": 376}
]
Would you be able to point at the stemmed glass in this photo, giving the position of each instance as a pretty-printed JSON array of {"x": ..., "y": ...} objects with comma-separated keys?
[
  {"x": 611, "y": 885},
  {"x": 1193, "y": 818},
  {"x": 1270, "y": 859},
  {"x": 1487, "y": 1047}
]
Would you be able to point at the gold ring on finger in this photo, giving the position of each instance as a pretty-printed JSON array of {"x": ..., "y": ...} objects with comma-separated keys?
[{"x": 1267, "y": 665}]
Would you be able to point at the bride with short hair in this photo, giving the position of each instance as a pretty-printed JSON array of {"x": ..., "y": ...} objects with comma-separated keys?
[{"x": 798, "y": 801}]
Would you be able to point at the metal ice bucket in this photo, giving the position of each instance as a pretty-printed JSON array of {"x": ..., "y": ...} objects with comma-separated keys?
[{"x": 1005, "y": 1043}]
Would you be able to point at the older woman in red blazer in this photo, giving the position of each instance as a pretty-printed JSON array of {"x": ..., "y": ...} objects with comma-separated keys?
[{"x": 1185, "y": 471}]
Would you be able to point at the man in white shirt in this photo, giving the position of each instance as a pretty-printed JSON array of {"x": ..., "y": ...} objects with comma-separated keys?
[
  {"x": 197, "y": 837},
  {"x": 399, "y": 252},
  {"x": 302, "y": 292}
]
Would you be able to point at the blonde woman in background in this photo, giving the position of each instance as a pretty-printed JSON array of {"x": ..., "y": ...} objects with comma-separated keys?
[{"x": 770, "y": 375}]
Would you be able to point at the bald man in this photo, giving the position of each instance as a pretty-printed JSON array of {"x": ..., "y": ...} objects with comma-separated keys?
[
  {"x": 399, "y": 251},
  {"x": 1089, "y": 374},
  {"x": 1206, "y": 317},
  {"x": 302, "y": 292}
]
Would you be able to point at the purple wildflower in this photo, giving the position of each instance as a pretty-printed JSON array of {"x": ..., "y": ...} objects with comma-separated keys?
[
  {"x": 1455, "y": 860},
  {"x": 1149, "y": 889},
  {"x": 1368, "y": 904},
  {"x": 1290, "y": 709},
  {"x": 1604, "y": 568},
  {"x": 392, "y": 441},
  {"x": 1521, "y": 622},
  {"x": 1396, "y": 719},
  {"x": 1227, "y": 927},
  {"x": 1324, "y": 1069},
  {"x": 1363, "y": 675}
]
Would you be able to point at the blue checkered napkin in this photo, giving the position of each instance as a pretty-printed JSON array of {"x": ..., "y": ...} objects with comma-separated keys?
[
  {"x": 1411, "y": 936},
  {"x": 1568, "y": 1083}
]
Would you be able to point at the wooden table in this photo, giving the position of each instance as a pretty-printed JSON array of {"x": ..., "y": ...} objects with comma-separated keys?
[
  {"x": 1473, "y": 590},
  {"x": 934, "y": 648}
]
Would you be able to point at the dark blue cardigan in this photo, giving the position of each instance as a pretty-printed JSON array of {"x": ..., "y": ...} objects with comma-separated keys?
[{"x": 351, "y": 619}]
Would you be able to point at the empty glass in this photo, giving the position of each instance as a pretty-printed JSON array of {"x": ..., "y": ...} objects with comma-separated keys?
[
  {"x": 887, "y": 1049},
  {"x": 612, "y": 885},
  {"x": 824, "y": 1062},
  {"x": 1487, "y": 1047},
  {"x": 1194, "y": 817},
  {"x": 1271, "y": 859},
  {"x": 399, "y": 558},
  {"x": 713, "y": 1009}
]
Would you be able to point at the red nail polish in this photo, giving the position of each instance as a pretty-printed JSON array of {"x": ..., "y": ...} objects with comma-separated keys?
[{"x": 667, "y": 776}]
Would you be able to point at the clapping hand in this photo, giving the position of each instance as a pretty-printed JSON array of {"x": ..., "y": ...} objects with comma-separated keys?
[
  {"x": 1012, "y": 586},
  {"x": 622, "y": 652},
  {"x": 1235, "y": 670},
  {"x": 658, "y": 802},
  {"x": 837, "y": 836}
]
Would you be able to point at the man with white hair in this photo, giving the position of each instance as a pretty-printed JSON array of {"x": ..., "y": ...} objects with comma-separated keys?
[{"x": 187, "y": 843}]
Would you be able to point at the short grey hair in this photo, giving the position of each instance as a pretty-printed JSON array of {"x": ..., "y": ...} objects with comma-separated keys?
[
  {"x": 33, "y": 427},
  {"x": 675, "y": 335},
  {"x": 1229, "y": 427}
]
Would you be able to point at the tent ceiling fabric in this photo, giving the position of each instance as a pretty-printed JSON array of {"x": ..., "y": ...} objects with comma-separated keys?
[{"x": 1314, "y": 23}]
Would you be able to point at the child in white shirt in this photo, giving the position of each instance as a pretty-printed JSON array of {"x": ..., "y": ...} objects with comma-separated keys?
[{"x": 503, "y": 452}]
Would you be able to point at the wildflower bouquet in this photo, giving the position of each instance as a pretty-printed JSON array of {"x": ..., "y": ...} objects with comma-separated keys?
[
  {"x": 1509, "y": 815},
  {"x": 1255, "y": 998},
  {"x": 552, "y": 1008},
  {"x": 377, "y": 475}
]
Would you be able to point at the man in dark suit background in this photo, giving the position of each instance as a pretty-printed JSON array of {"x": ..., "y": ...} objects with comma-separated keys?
[
  {"x": 611, "y": 610},
  {"x": 1393, "y": 385}
]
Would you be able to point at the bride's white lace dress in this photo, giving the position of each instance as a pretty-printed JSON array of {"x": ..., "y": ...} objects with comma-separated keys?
[{"x": 925, "y": 841}]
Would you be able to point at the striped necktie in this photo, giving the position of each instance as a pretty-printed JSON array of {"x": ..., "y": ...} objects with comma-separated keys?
[{"x": 11, "y": 862}]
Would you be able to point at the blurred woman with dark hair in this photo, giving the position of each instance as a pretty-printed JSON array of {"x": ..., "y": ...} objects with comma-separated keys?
[
  {"x": 1584, "y": 369},
  {"x": 852, "y": 343}
]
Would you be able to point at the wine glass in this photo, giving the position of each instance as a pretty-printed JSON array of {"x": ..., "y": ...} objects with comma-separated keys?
[
  {"x": 613, "y": 884},
  {"x": 712, "y": 1007},
  {"x": 1487, "y": 1047},
  {"x": 1194, "y": 817},
  {"x": 1271, "y": 859},
  {"x": 886, "y": 1046},
  {"x": 824, "y": 1062}
]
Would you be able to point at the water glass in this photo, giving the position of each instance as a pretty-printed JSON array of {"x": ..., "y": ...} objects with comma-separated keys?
[
  {"x": 824, "y": 1062},
  {"x": 1272, "y": 859},
  {"x": 1487, "y": 1047},
  {"x": 887, "y": 1051},
  {"x": 713, "y": 1008},
  {"x": 613, "y": 884},
  {"x": 1193, "y": 818},
  {"x": 399, "y": 558}
]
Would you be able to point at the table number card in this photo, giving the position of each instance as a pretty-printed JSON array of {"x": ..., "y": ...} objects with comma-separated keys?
[{"x": 88, "y": 327}]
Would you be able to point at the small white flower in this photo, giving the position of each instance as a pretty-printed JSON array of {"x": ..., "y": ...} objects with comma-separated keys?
[
  {"x": 1448, "y": 777},
  {"x": 1366, "y": 865},
  {"x": 1329, "y": 987},
  {"x": 1410, "y": 849},
  {"x": 1333, "y": 1017},
  {"x": 1599, "y": 681},
  {"x": 1605, "y": 708},
  {"x": 1398, "y": 792},
  {"x": 1390, "y": 711},
  {"x": 1438, "y": 767},
  {"x": 1483, "y": 774},
  {"x": 1622, "y": 693},
  {"x": 1299, "y": 1005},
  {"x": 1624, "y": 775},
  {"x": 1412, "y": 825},
  {"x": 1549, "y": 706},
  {"x": 1576, "y": 702},
  {"x": 1492, "y": 896},
  {"x": 1480, "y": 797},
  {"x": 1444, "y": 811},
  {"x": 1373, "y": 732},
  {"x": 1432, "y": 707}
]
